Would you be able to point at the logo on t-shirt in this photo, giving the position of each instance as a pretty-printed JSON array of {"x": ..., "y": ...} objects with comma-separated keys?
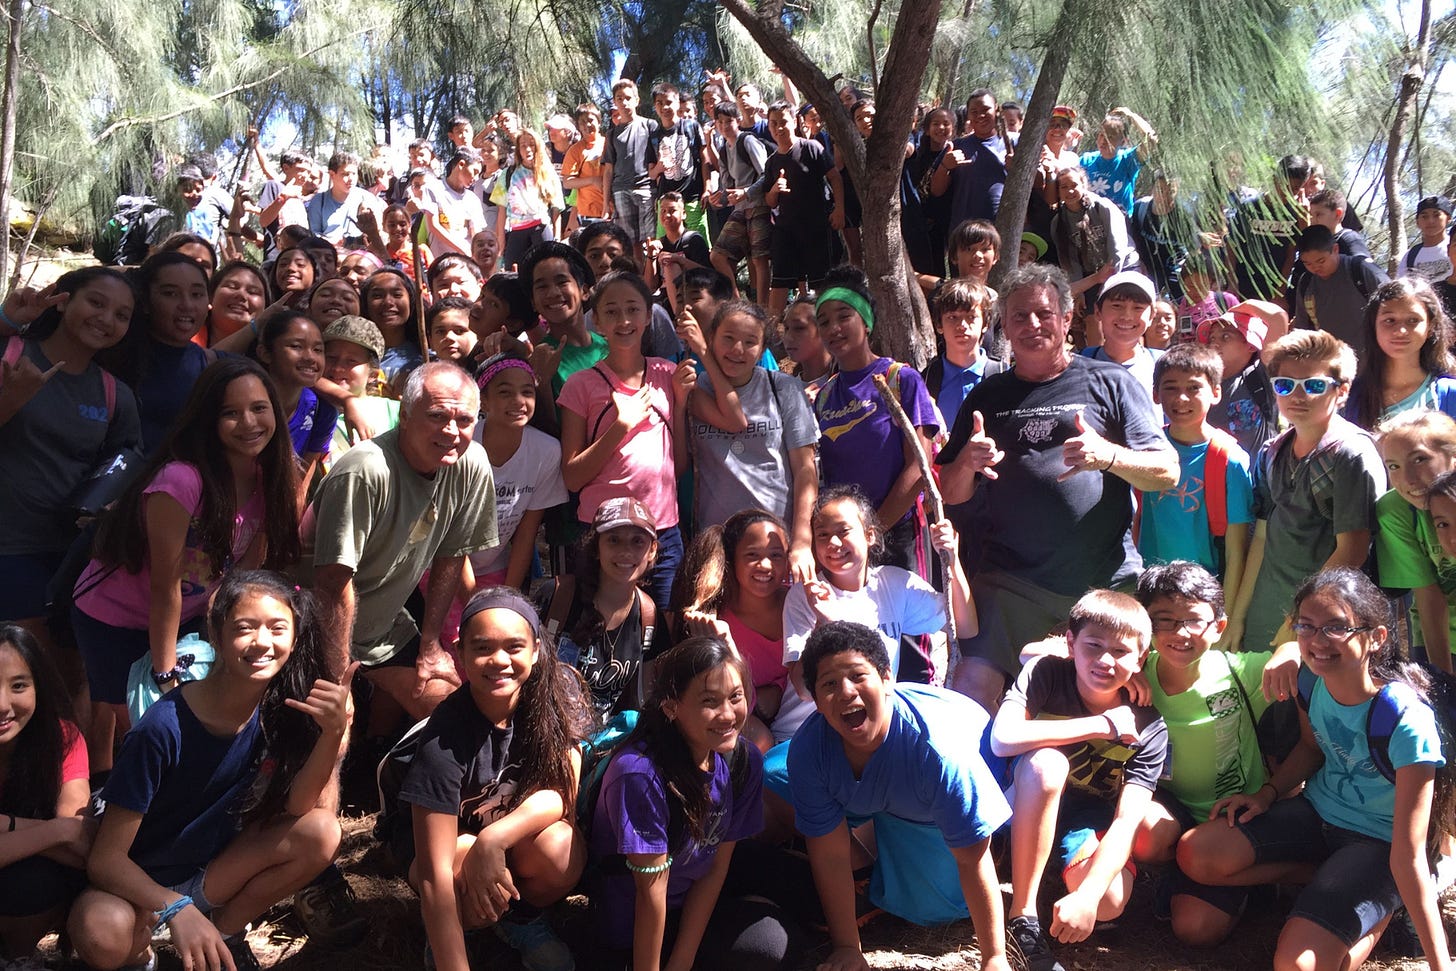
[{"x": 1038, "y": 430}]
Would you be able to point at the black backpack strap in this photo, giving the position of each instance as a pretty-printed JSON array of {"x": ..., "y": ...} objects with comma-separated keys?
[{"x": 561, "y": 599}]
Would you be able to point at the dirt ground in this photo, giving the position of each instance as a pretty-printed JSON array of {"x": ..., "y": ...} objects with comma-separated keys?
[{"x": 396, "y": 936}]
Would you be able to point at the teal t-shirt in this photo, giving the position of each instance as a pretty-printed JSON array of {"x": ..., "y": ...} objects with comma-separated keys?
[
  {"x": 1348, "y": 790},
  {"x": 1175, "y": 521},
  {"x": 1409, "y": 556},
  {"x": 1212, "y": 738}
]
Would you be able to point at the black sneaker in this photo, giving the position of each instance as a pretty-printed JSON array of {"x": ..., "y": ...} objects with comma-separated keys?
[
  {"x": 326, "y": 909},
  {"x": 243, "y": 957},
  {"x": 1027, "y": 938}
]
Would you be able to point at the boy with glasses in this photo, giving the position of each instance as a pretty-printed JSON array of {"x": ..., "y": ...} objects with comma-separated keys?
[{"x": 1315, "y": 484}]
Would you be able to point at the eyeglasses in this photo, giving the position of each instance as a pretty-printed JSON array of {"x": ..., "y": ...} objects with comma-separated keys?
[
  {"x": 1196, "y": 626},
  {"x": 1314, "y": 387},
  {"x": 1333, "y": 632}
]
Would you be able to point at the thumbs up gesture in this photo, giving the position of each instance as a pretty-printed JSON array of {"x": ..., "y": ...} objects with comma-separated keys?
[
  {"x": 1086, "y": 451},
  {"x": 980, "y": 453},
  {"x": 782, "y": 185}
]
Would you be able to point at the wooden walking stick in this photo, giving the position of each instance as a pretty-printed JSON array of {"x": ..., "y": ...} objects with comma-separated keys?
[
  {"x": 417, "y": 261},
  {"x": 936, "y": 505}
]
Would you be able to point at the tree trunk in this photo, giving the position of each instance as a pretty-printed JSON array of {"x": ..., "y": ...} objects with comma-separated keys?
[
  {"x": 9, "y": 103},
  {"x": 1021, "y": 172},
  {"x": 1410, "y": 87},
  {"x": 904, "y": 321}
]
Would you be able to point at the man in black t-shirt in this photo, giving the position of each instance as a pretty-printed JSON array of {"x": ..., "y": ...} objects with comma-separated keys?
[{"x": 1041, "y": 464}]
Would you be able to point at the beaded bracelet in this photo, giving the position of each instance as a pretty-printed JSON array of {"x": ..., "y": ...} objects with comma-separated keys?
[
  {"x": 172, "y": 910},
  {"x": 659, "y": 868}
]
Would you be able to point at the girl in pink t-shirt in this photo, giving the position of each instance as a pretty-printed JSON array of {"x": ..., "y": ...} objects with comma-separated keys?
[
  {"x": 740, "y": 574},
  {"x": 623, "y": 424},
  {"x": 43, "y": 789},
  {"x": 222, "y": 492}
]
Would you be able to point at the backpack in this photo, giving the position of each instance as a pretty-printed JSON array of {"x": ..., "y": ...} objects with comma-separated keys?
[
  {"x": 1410, "y": 256},
  {"x": 1389, "y": 706},
  {"x": 389, "y": 778},
  {"x": 892, "y": 377},
  {"x": 596, "y": 424},
  {"x": 123, "y": 239},
  {"x": 15, "y": 348}
]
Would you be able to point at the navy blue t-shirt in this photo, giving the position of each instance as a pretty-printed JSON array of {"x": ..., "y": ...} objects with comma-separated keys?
[{"x": 187, "y": 783}]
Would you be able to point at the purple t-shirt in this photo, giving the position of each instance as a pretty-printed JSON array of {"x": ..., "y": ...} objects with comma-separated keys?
[
  {"x": 859, "y": 441},
  {"x": 633, "y": 816},
  {"x": 311, "y": 426}
]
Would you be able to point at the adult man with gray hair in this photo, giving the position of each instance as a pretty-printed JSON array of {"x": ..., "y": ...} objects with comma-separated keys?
[
  {"x": 1040, "y": 469},
  {"x": 418, "y": 497}
]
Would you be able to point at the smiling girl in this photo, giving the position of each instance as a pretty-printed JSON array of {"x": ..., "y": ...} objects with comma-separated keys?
[
  {"x": 397, "y": 244},
  {"x": 813, "y": 361},
  {"x": 1407, "y": 362},
  {"x": 491, "y": 789},
  {"x": 1417, "y": 448},
  {"x": 331, "y": 300},
  {"x": 294, "y": 274},
  {"x": 239, "y": 294},
  {"x": 291, "y": 347},
  {"x": 215, "y": 811},
  {"x": 220, "y": 493},
  {"x": 61, "y": 415},
  {"x": 1356, "y": 826},
  {"x": 388, "y": 299},
  {"x": 43, "y": 790},
  {"x": 623, "y": 428},
  {"x": 678, "y": 795},
  {"x": 753, "y": 442}
]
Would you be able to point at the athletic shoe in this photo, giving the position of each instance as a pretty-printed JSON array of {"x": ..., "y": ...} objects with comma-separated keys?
[
  {"x": 1036, "y": 951},
  {"x": 538, "y": 945},
  {"x": 327, "y": 911}
]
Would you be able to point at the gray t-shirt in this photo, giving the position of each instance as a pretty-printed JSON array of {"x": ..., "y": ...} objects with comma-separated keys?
[
  {"x": 1336, "y": 304},
  {"x": 751, "y": 469},
  {"x": 386, "y": 522},
  {"x": 1306, "y": 503},
  {"x": 58, "y": 439},
  {"x": 630, "y": 154}
]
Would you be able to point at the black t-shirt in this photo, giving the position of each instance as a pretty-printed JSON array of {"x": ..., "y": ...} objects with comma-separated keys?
[
  {"x": 609, "y": 661},
  {"x": 1447, "y": 292},
  {"x": 1069, "y": 536},
  {"x": 806, "y": 205},
  {"x": 1263, "y": 235},
  {"x": 464, "y": 766},
  {"x": 680, "y": 150},
  {"x": 690, "y": 244}
]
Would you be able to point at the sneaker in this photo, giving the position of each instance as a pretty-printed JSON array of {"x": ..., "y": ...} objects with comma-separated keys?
[
  {"x": 150, "y": 964},
  {"x": 1027, "y": 937},
  {"x": 538, "y": 945},
  {"x": 243, "y": 957},
  {"x": 327, "y": 911}
]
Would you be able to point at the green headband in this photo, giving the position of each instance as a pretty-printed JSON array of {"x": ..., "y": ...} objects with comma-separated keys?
[{"x": 846, "y": 295}]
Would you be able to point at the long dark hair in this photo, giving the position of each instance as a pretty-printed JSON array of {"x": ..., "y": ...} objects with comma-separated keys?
[
  {"x": 1435, "y": 352},
  {"x": 74, "y": 282},
  {"x": 590, "y": 626},
  {"x": 288, "y": 734},
  {"x": 708, "y": 580},
  {"x": 552, "y": 717},
  {"x": 128, "y": 360},
  {"x": 412, "y": 322},
  {"x": 33, "y": 776},
  {"x": 665, "y": 745},
  {"x": 1372, "y": 608},
  {"x": 121, "y": 537}
]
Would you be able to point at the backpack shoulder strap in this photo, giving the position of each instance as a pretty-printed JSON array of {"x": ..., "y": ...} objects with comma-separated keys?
[
  {"x": 1357, "y": 276},
  {"x": 934, "y": 375},
  {"x": 823, "y": 395},
  {"x": 1386, "y": 710},
  {"x": 1307, "y": 681},
  {"x": 1410, "y": 256},
  {"x": 649, "y": 618},
  {"x": 1215, "y": 481},
  {"x": 560, "y": 605}
]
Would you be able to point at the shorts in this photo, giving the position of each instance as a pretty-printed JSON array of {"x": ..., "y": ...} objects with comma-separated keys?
[
  {"x": 1352, "y": 892},
  {"x": 406, "y": 657},
  {"x": 1230, "y": 900},
  {"x": 745, "y": 235},
  {"x": 23, "y": 581},
  {"x": 192, "y": 887},
  {"x": 796, "y": 254},
  {"x": 1081, "y": 822},
  {"x": 1013, "y": 613},
  {"x": 37, "y": 885},
  {"x": 108, "y": 653},
  {"x": 635, "y": 213}
]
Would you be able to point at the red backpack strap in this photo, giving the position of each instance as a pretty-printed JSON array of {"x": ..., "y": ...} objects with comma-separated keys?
[{"x": 1215, "y": 481}]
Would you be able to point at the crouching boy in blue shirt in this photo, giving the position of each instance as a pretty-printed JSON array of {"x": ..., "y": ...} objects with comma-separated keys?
[{"x": 897, "y": 754}]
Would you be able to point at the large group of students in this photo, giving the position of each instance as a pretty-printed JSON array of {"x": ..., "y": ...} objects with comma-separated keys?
[{"x": 631, "y": 583}]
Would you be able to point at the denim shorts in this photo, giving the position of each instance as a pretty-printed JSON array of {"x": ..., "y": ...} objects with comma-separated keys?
[{"x": 1353, "y": 890}]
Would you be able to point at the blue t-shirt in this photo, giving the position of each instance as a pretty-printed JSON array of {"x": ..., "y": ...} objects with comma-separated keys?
[
  {"x": 311, "y": 426},
  {"x": 926, "y": 771},
  {"x": 187, "y": 783},
  {"x": 168, "y": 374},
  {"x": 1114, "y": 178},
  {"x": 1175, "y": 521},
  {"x": 1140, "y": 367},
  {"x": 1348, "y": 790},
  {"x": 956, "y": 382}
]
